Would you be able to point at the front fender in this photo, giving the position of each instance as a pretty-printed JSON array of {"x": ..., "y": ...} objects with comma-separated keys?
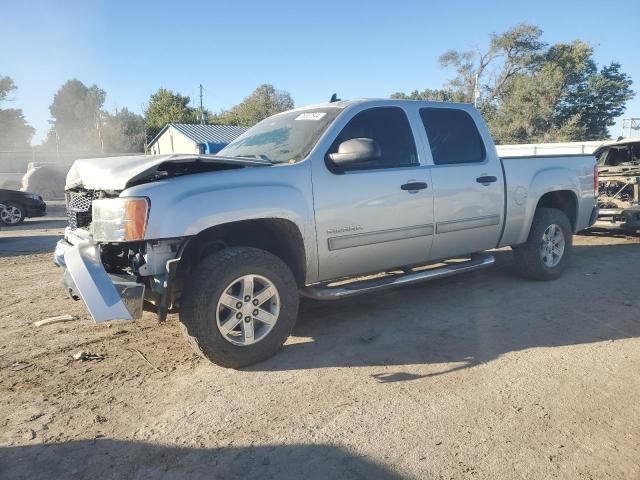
[
  {"x": 185, "y": 206},
  {"x": 196, "y": 212}
]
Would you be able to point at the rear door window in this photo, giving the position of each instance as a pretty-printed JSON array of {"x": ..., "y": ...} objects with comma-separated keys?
[{"x": 453, "y": 136}]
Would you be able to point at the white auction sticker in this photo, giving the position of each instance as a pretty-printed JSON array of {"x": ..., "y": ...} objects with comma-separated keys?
[{"x": 311, "y": 116}]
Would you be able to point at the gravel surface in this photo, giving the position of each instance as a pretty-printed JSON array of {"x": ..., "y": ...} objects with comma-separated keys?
[{"x": 483, "y": 376}]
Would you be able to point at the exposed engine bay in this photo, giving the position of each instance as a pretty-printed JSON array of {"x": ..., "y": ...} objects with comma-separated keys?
[
  {"x": 619, "y": 185},
  {"x": 618, "y": 190}
]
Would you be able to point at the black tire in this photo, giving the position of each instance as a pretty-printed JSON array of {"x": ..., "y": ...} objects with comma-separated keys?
[
  {"x": 206, "y": 284},
  {"x": 528, "y": 258},
  {"x": 19, "y": 208}
]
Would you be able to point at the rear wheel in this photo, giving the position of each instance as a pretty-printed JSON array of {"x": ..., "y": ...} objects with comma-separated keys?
[
  {"x": 239, "y": 306},
  {"x": 12, "y": 214},
  {"x": 547, "y": 251}
]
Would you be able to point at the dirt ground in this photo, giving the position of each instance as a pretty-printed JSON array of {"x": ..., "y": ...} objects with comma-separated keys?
[{"x": 483, "y": 376}]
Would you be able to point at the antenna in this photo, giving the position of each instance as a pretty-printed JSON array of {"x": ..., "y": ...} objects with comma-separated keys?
[{"x": 334, "y": 98}]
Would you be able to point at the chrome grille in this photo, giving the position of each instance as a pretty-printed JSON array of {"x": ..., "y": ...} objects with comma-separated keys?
[{"x": 79, "y": 209}]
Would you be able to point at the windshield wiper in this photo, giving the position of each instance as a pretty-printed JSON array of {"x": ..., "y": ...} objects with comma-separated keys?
[{"x": 260, "y": 157}]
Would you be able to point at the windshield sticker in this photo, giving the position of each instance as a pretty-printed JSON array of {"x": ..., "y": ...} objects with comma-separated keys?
[{"x": 311, "y": 116}]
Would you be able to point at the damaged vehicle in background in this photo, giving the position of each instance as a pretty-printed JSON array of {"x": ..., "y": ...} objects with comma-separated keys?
[
  {"x": 310, "y": 202},
  {"x": 619, "y": 184}
]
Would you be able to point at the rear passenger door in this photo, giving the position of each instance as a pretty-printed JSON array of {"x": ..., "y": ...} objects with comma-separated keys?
[{"x": 467, "y": 183}]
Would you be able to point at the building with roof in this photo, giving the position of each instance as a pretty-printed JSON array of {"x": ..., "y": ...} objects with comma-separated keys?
[{"x": 188, "y": 138}]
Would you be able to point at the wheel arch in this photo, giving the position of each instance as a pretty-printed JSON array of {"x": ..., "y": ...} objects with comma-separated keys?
[
  {"x": 278, "y": 236},
  {"x": 564, "y": 200}
]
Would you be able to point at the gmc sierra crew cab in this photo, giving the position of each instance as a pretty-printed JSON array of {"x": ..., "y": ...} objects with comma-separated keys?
[{"x": 327, "y": 202}]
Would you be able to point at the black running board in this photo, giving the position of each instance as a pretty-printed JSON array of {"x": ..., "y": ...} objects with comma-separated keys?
[{"x": 325, "y": 292}]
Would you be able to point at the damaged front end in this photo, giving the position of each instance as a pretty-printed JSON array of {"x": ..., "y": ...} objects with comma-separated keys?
[
  {"x": 108, "y": 264},
  {"x": 619, "y": 198}
]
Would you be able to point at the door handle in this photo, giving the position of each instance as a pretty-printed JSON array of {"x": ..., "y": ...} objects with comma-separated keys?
[
  {"x": 487, "y": 179},
  {"x": 413, "y": 186}
]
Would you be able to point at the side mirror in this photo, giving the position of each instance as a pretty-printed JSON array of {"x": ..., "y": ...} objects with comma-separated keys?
[{"x": 356, "y": 150}]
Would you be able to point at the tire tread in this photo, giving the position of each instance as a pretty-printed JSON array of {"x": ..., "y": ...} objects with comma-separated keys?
[
  {"x": 198, "y": 319},
  {"x": 527, "y": 256}
]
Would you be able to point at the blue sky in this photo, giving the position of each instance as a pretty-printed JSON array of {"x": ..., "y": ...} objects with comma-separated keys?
[{"x": 311, "y": 49}]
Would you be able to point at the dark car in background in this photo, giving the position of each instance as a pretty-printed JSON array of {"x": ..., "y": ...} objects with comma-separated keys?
[{"x": 20, "y": 205}]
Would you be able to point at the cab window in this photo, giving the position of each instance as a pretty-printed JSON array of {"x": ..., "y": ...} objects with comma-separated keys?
[
  {"x": 453, "y": 136},
  {"x": 390, "y": 128}
]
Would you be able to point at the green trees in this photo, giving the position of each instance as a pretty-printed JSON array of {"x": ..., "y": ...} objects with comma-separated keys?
[
  {"x": 532, "y": 92},
  {"x": 263, "y": 102},
  {"x": 15, "y": 133},
  {"x": 80, "y": 123},
  {"x": 124, "y": 131},
  {"x": 76, "y": 114},
  {"x": 164, "y": 107},
  {"x": 434, "y": 95}
]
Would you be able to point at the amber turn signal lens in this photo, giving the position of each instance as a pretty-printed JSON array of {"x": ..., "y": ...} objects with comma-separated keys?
[{"x": 135, "y": 218}]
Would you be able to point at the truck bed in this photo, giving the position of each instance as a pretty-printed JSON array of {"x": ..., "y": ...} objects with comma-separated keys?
[{"x": 531, "y": 176}]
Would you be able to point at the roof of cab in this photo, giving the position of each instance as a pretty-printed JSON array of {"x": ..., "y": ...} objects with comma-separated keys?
[{"x": 391, "y": 101}]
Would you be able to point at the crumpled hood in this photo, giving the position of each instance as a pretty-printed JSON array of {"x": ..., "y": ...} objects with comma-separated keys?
[{"x": 118, "y": 173}]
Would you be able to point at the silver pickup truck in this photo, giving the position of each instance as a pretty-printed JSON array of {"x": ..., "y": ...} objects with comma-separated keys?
[{"x": 327, "y": 201}]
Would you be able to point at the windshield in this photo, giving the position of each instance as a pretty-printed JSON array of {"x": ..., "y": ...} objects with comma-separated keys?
[{"x": 284, "y": 138}]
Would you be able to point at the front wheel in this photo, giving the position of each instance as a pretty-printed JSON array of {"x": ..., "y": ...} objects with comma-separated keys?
[
  {"x": 547, "y": 251},
  {"x": 12, "y": 214},
  {"x": 239, "y": 306}
]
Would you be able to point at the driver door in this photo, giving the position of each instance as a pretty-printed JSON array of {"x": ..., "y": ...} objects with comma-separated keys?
[{"x": 378, "y": 214}]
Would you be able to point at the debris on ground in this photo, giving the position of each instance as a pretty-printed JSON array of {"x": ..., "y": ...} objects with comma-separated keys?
[
  {"x": 87, "y": 356},
  {"x": 58, "y": 319},
  {"x": 142, "y": 355},
  {"x": 35, "y": 416},
  {"x": 20, "y": 366}
]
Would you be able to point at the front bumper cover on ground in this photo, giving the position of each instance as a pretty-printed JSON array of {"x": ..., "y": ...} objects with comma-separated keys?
[{"x": 107, "y": 297}]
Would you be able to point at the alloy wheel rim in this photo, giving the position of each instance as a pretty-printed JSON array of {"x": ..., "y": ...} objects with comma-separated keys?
[
  {"x": 552, "y": 246},
  {"x": 247, "y": 310},
  {"x": 11, "y": 215}
]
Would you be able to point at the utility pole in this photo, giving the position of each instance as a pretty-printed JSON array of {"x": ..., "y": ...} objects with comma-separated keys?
[
  {"x": 99, "y": 130},
  {"x": 476, "y": 93},
  {"x": 201, "y": 107}
]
